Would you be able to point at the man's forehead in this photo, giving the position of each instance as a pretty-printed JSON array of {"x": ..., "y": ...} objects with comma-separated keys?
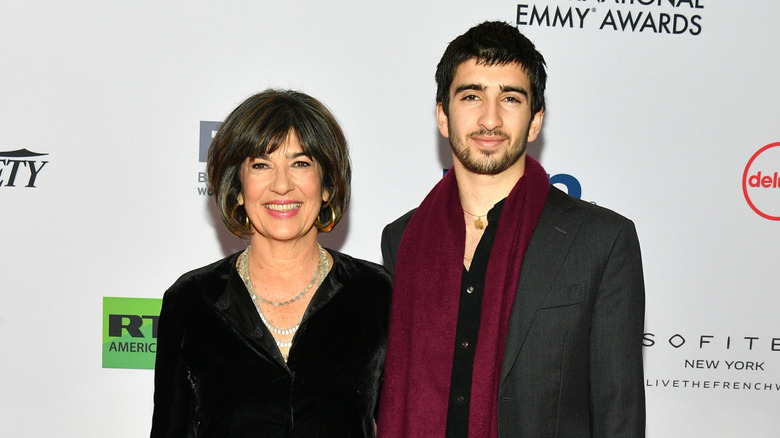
[
  {"x": 515, "y": 70},
  {"x": 488, "y": 63}
]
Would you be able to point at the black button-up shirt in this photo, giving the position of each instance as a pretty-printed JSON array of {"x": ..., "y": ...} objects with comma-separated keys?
[{"x": 467, "y": 330}]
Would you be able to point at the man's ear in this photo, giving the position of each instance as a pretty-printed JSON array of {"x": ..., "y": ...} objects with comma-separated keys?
[
  {"x": 442, "y": 121},
  {"x": 536, "y": 125}
]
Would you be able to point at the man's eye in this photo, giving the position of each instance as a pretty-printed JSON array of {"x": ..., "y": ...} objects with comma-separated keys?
[{"x": 470, "y": 97}]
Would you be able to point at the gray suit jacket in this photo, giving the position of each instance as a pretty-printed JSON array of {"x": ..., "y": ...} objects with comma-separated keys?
[{"x": 572, "y": 363}]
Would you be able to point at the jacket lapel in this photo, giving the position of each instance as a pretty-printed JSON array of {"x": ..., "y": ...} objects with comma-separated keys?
[
  {"x": 235, "y": 307},
  {"x": 546, "y": 252}
]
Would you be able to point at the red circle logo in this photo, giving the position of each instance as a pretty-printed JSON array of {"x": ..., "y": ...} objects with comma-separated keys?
[{"x": 761, "y": 182}]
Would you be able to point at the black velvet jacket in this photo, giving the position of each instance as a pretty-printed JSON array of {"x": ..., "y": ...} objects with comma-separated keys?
[{"x": 219, "y": 373}]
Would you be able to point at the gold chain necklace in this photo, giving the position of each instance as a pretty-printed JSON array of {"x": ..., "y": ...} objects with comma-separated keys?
[{"x": 478, "y": 224}]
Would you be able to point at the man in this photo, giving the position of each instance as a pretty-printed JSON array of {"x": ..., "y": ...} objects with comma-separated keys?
[{"x": 517, "y": 310}]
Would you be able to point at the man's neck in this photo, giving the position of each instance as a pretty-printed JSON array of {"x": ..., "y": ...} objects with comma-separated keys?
[{"x": 479, "y": 193}]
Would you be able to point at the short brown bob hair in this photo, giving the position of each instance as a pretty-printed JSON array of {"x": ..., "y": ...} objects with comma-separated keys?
[{"x": 259, "y": 126}]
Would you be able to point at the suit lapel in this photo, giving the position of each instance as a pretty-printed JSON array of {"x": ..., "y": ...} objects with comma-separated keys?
[{"x": 546, "y": 252}]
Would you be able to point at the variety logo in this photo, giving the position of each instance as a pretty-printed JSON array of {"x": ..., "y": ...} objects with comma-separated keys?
[
  {"x": 761, "y": 182},
  {"x": 20, "y": 167},
  {"x": 130, "y": 332}
]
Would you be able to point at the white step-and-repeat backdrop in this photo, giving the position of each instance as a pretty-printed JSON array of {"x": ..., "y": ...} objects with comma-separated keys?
[{"x": 667, "y": 111}]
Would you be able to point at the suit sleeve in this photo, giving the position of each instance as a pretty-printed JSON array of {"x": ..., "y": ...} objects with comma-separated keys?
[
  {"x": 391, "y": 240},
  {"x": 388, "y": 253},
  {"x": 617, "y": 379},
  {"x": 172, "y": 390}
]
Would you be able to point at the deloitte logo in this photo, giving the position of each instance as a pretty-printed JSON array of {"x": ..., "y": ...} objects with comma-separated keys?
[{"x": 761, "y": 182}]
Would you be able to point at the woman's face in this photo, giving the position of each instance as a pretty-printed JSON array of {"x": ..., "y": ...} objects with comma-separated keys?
[{"x": 282, "y": 192}]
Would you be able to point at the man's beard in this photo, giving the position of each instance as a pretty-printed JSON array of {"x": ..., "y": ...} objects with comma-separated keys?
[{"x": 488, "y": 163}]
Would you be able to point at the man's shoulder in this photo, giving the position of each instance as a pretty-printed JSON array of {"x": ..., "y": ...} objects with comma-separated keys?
[
  {"x": 558, "y": 202},
  {"x": 354, "y": 269},
  {"x": 584, "y": 211},
  {"x": 397, "y": 227},
  {"x": 391, "y": 239}
]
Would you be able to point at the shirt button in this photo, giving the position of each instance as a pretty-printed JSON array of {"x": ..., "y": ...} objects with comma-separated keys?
[
  {"x": 258, "y": 333},
  {"x": 465, "y": 343},
  {"x": 470, "y": 289},
  {"x": 461, "y": 399}
]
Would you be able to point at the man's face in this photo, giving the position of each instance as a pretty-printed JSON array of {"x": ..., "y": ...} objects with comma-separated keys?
[{"x": 490, "y": 118}]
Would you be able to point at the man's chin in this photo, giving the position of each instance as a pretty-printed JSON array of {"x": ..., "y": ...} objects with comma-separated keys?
[{"x": 494, "y": 166}]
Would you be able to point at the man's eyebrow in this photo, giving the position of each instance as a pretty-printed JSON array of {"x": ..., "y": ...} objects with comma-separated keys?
[
  {"x": 511, "y": 88},
  {"x": 504, "y": 88},
  {"x": 464, "y": 87}
]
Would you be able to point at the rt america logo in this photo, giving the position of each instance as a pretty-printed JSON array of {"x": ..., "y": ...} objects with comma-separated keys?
[
  {"x": 761, "y": 182},
  {"x": 20, "y": 168}
]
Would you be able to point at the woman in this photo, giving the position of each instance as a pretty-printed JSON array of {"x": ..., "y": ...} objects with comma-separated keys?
[{"x": 284, "y": 339}]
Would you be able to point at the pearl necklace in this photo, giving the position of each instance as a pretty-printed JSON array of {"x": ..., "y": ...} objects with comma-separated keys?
[{"x": 243, "y": 272}]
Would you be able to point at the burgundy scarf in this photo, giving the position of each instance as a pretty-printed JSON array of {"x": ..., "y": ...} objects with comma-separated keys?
[{"x": 424, "y": 314}]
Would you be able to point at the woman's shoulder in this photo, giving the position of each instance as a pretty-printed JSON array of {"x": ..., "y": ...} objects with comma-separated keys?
[
  {"x": 355, "y": 269},
  {"x": 205, "y": 278}
]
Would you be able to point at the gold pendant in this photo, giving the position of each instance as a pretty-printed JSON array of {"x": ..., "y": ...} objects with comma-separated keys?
[{"x": 478, "y": 224}]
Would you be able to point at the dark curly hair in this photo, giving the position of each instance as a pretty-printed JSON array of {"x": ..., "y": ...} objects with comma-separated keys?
[{"x": 492, "y": 43}]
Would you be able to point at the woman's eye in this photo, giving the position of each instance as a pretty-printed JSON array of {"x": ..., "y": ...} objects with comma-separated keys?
[
  {"x": 301, "y": 164},
  {"x": 259, "y": 166}
]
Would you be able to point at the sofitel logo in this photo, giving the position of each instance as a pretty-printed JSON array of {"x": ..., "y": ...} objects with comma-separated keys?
[
  {"x": 18, "y": 167},
  {"x": 716, "y": 362},
  {"x": 761, "y": 182}
]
